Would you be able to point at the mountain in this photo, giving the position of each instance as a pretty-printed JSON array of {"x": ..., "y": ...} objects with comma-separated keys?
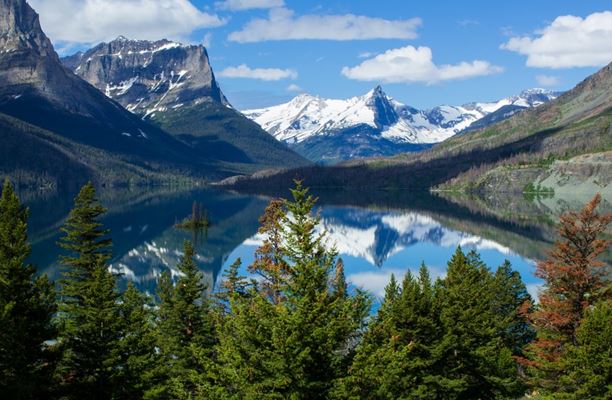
[
  {"x": 173, "y": 86},
  {"x": 562, "y": 145},
  {"x": 43, "y": 105},
  {"x": 327, "y": 130},
  {"x": 146, "y": 77}
]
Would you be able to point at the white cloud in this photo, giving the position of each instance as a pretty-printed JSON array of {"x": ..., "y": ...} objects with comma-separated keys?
[
  {"x": 410, "y": 64},
  {"x": 207, "y": 40},
  {"x": 365, "y": 54},
  {"x": 294, "y": 88},
  {"x": 547, "y": 80},
  {"x": 92, "y": 21},
  {"x": 282, "y": 24},
  {"x": 264, "y": 74},
  {"x": 568, "y": 42},
  {"x": 241, "y": 5}
]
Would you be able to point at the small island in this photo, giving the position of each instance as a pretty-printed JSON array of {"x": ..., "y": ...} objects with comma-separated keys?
[{"x": 198, "y": 219}]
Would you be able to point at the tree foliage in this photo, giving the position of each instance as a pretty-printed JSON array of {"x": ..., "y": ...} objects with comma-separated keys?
[
  {"x": 293, "y": 328},
  {"x": 27, "y": 304},
  {"x": 185, "y": 333},
  {"x": 290, "y": 334},
  {"x": 575, "y": 280},
  {"x": 89, "y": 321}
]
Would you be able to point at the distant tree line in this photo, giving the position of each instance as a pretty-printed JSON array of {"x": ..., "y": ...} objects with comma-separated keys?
[{"x": 294, "y": 329}]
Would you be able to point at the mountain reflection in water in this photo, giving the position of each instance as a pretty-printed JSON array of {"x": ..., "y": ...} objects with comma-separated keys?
[{"x": 375, "y": 237}]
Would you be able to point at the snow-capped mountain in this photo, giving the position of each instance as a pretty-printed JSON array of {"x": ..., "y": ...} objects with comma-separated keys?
[
  {"x": 147, "y": 77},
  {"x": 309, "y": 121}
]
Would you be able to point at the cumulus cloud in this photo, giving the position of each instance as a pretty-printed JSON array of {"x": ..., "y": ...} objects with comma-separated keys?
[
  {"x": 264, "y": 74},
  {"x": 282, "y": 24},
  {"x": 547, "y": 80},
  {"x": 92, "y": 21},
  {"x": 241, "y": 5},
  {"x": 568, "y": 42},
  {"x": 411, "y": 64},
  {"x": 294, "y": 88}
]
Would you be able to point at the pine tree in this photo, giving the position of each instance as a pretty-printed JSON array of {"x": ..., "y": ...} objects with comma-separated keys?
[
  {"x": 27, "y": 304},
  {"x": 511, "y": 297},
  {"x": 137, "y": 351},
  {"x": 321, "y": 325},
  {"x": 293, "y": 334},
  {"x": 269, "y": 263},
  {"x": 186, "y": 333},
  {"x": 574, "y": 280},
  {"x": 89, "y": 315},
  {"x": 397, "y": 359},
  {"x": 477, "y": 362},
  {"x": 366, "y": 375},
  {"x": 588, "y": 363}
]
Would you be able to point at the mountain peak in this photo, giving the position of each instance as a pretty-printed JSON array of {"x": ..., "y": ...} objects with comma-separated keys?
[
  {"x": 534, "y": 91},
  {"x": 377, "y": 91},
  {"x": 20, "y": 29},
  {"x": 149, "y": 76}
]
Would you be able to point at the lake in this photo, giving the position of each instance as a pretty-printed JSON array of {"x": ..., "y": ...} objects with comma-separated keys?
[{"x": 376, "y": 236}]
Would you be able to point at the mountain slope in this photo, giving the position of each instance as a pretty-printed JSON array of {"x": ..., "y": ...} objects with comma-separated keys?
[
  {"x": 322, "y": 129},
  {"x": 36, "y": 89},
  {"x": 173, "y": 86},
  {"x": 576, "y": 123}
]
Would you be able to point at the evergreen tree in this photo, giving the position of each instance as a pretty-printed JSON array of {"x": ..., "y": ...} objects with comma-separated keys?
[
  {"x": 89, "y": 315},
  {"x": 510, "y": 299},
  {"x": 588, "y": 363},
  {"x": 574, "y": 280},
  {"x": 137, "y": 351},
  {"x": 292, "y": 335},
  {"x": 27, "y": 304},
  {"x": 478, "y": 365},
  {"x": 397, "y": 359},
  {"x": 186, "y": 334}
]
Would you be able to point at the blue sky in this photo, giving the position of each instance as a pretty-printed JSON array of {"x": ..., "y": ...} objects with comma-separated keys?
[{"x": 423, "y": 53}]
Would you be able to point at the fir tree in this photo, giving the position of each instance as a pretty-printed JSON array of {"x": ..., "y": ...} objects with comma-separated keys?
[
  {"x": 477, "y": 363},
  {"x": 186, "y": 333},
  {"x": 574, "y": 280},
  {"x": 397, "y": 358},
  {"x": 137, "y": 351},
  {"x": 27, "y": 304},
  {"x": 292, "y": 335},
  {"x": 510, "y": 299},
  {"x": 88, "y": 314},
  {"x": 588, "y": 363}
]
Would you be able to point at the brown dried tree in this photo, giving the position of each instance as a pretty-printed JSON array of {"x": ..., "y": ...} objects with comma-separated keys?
[{"x": 575, "y": 279}]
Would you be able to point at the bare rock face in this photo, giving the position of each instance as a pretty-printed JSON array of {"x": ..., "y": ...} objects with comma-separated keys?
[
  {"x": 148, "y": 77},
  {"x": 29, "y": 66},
  {"x": 20, "y": 30},
  {"x": 26, "y": 54}
]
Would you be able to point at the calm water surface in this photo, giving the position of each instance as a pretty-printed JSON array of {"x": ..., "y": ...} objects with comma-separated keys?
[{"x": 376, "y": 237}]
